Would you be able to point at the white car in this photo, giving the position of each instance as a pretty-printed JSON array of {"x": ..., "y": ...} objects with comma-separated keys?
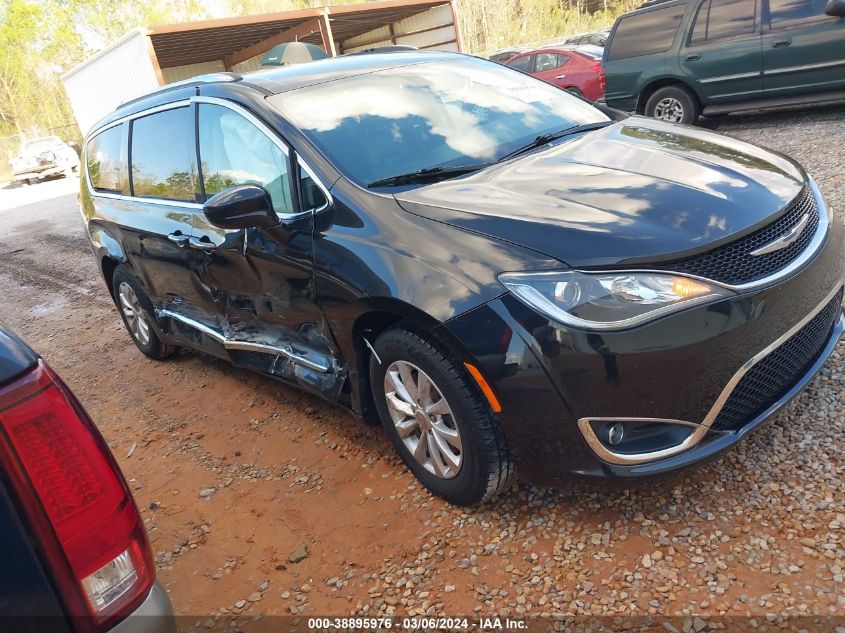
[{"x": 43, "y": 157}]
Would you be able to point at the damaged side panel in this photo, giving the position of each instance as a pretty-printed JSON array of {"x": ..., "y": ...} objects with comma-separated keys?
[
  {"x": 272, "y": 351},
  {"x": 257, "y": 305}
]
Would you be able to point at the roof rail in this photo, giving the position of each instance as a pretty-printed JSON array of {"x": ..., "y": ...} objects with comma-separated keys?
[{"x": 199, "y": 80}]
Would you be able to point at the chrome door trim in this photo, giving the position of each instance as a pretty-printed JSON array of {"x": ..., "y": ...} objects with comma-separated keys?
[
  {"x": 711, "y": 80},
  {"x": 702, "y": 428},
  {"x": 245, "y": 346},
  {"x": 798, "y": 69}
]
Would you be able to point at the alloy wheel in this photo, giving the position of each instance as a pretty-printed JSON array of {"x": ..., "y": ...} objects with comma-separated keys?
[
  {"x": 423, "y": 419},
  {"x": 669, "y": 109},
  {"x": 134, "y": 313}
]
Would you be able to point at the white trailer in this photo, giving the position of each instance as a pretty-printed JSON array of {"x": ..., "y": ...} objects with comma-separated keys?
[{"x": 147, "y": 58}]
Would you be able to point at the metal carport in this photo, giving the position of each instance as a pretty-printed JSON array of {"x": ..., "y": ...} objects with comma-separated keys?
[{"x": 149, "y": 57}]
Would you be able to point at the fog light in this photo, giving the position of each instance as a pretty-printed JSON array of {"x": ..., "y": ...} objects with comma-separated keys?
[
  {"x": 638, "y": 440},
  {"x": 615, "y": 434}
]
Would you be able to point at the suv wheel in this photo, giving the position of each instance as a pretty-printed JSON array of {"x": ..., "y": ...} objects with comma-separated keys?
[
  {"x": 438, "y": 420},
  {"x": 136, "y": 310},
  {"x": 675, "y": 104}
]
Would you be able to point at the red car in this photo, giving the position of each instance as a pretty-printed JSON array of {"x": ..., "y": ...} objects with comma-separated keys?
[{"x": 577, "y": 70}]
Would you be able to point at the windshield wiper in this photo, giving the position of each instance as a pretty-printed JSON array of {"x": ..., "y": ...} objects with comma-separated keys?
[
  {"x": 429, "y": 174},
  {"x": 547, "y": 138}
]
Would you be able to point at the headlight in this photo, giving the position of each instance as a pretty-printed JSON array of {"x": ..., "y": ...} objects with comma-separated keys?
[{"x": 607, "y": 301}]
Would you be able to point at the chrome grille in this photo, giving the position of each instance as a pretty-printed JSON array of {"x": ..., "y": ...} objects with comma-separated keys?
[
  {"x": 733, "y": 263},
  {"x": 773, "y": 376}
]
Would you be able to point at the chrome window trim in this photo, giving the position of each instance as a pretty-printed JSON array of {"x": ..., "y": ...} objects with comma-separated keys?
[
  {"x": 701, "y": 429},
  {"x": 269, "y": 133},
  {"x": 182, "y": 103},
  {"x": 248, "y": 346},
  {"x": 231, "y": 105}
]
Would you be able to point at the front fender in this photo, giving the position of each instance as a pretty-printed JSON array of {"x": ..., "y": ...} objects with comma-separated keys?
[{"x": 373, "y": 257}]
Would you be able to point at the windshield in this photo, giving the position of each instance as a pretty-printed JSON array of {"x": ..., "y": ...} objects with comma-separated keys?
[
  {"x": 437, "y": 114},
  {"x": 40, "y": 145}
]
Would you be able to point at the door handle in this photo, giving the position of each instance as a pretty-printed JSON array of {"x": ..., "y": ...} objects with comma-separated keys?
[
  {"x": 693, "y": 57},
  {"x": 561, "y": 77},
  {"x": 179, "y": 238},
  {"x": 781, "y": 43},
  {"x": 196, "y": 242}
]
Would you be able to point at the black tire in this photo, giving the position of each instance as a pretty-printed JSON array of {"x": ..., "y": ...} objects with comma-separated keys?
[
  {"x": 486, "y": 468},
  {"x": 686, "y": 100},
  {"x": 574, "y": 91},
  {"x": 154, "y": 347}
]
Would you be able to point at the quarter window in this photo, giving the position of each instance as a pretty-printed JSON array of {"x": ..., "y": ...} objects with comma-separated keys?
[
  {"x": 233, "y": 151},
  {"x": 786, "y": 12},
  {"x": 719, "y": 19},
  {"x": 311, "y": 196},
  {"x": 106, "y": 159},
  {"x": 646, "y": 33},
  {"x": 163, "y": 156}
]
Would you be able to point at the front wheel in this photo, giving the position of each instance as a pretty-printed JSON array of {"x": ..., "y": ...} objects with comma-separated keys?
[
  {"x": 438, "y": 420},
  {"x": 675, "y": 104}
]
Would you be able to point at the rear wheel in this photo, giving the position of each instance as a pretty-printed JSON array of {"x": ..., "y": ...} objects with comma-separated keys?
[
  {"x": 136, "y": 310},
  {"x": 675, "y": 104},
  {"x": 575, "y": 91},
  {"x": 438, "y": 420}
]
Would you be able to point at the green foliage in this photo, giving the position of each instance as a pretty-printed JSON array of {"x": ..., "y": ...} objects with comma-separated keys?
[
  {"x": 40, "y": 39},
  {"x": 487, "y": 26}
]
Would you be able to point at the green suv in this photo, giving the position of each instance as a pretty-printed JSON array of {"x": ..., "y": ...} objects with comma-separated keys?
[{"x": 678, "y": 59}]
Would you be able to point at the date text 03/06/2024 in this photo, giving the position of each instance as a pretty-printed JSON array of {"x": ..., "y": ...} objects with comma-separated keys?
[{"x": 417, "y": 624}]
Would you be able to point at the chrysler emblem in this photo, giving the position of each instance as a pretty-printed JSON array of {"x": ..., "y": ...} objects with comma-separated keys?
[{"x": 784, "y": 240}]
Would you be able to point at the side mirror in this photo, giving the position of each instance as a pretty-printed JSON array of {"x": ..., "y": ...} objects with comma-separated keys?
[
  {"x": 835, "y": 8},
  {"x": 241, "y": 207}
]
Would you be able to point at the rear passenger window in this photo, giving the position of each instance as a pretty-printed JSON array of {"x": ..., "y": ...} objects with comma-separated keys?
[
  {"x": 545, "y": 61},
  {"x": 163, "y": 156},
  {"x": 787, "y": 12},
  {"x": 523, "y": 63},
  {"x": 234, "y": 152},
  {"x": 106, "y": 159},
  {"x": 719, "y": 19},
  {"x": 646, "y": 33}
]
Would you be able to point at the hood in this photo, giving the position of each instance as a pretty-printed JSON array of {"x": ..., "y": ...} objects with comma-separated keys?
[{"x": 637, "y": 191}]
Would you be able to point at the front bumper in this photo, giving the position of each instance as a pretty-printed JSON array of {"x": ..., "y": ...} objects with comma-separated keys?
[
  {"x": 681, "y": 367},
  {"x": 41, "y": 171}
]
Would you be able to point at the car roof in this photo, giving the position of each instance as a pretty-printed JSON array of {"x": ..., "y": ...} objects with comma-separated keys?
[{"x": 280, "y": 79}]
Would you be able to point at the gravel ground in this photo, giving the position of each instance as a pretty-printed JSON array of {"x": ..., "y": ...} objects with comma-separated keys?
[{"x": 264, "y": 501}]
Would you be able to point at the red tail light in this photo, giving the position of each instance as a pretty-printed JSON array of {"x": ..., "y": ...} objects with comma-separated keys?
[{"x": 76, "y": 500}]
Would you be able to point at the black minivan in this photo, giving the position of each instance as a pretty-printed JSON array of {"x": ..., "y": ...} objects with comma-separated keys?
[{"x": 501, "y": 273}]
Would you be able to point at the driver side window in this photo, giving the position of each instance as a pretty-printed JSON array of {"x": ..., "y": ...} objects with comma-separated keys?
[{"x": 235, "y": 152}]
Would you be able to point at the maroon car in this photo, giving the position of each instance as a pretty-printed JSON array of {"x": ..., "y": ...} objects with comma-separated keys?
[{"x": 577, "y": 70}]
